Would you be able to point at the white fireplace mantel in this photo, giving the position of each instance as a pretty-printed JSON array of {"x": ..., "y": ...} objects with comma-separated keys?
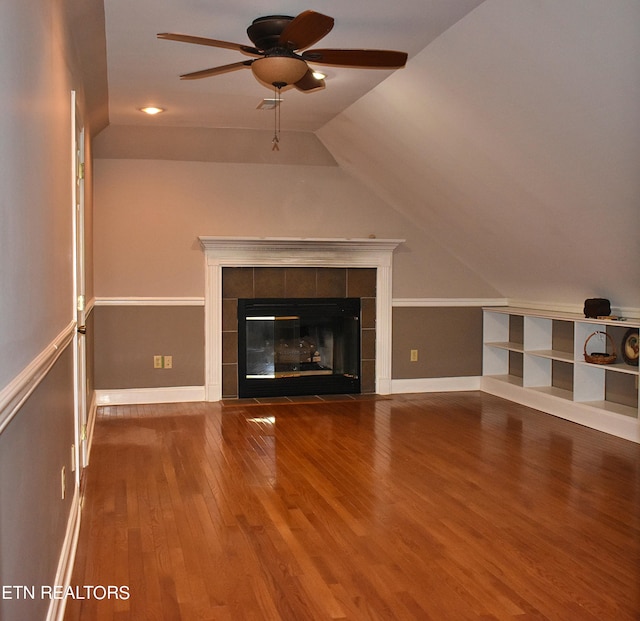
[{"x": 223, "y": 252}]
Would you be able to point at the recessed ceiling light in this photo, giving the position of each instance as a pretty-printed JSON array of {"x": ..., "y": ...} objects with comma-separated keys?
[
  {"x": 152, "y": 110},
  {"x": 318, "y": 75}
]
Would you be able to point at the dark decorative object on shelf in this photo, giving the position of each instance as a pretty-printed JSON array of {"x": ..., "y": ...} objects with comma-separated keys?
[
  {"x": 597, "y": 307},
  {"x": 630, "y": 346}
]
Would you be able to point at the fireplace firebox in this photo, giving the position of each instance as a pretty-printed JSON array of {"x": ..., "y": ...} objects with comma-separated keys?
[{"x": 298, "y": 346}]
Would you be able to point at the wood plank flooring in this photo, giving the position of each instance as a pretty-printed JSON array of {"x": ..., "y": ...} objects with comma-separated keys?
[{"x": 443, "y": 507}]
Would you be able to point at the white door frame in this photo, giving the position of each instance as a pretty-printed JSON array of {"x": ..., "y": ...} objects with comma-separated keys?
[{"x": 80, "y": 354}]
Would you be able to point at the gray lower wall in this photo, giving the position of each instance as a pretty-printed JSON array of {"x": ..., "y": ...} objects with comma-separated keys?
[
  {"x": 33, "y": 517},
  {"x": 128, "y": 337},
  {"x": 448, "y": 340}
]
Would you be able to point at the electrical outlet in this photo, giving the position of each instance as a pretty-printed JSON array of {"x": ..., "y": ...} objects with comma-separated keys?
[
  {"x": 414, "y": 355},
  {"x": 168, "y": 362},
  {"x": 63, "y": 482},
  {"x": 157, "y": 362}
]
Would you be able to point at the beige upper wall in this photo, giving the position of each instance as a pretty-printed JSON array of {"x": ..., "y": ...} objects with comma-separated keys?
[
  {"x": 35, "y": 181},
  {"x": 514, "y": 139},
  {"x": 149, "y": 214},
  {"x": 86, "y": 34},
  {"x": 39, "y": 68},
  {"x": 206, "y": 144},
  {"x": 506, "y": 153}
]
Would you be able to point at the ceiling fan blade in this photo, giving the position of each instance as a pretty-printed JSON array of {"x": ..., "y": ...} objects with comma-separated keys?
[
  {"x": 207, "y": 73},
  {"x": 305, "y": 30},
  {"x": 247, "y": 49},
  {"x": 309, "y": 83},
  {"x": 374, "y": 59}
]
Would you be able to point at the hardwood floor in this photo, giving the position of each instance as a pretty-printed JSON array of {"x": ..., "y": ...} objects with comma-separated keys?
[{"x": 442, "y": 507}]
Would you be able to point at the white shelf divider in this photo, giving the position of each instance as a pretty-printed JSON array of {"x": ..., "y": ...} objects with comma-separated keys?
[
  {"x": 537, "y": 333},
  {"x": 537, "y": 371}
]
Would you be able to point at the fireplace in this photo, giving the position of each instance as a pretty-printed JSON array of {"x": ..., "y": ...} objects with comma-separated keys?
[
  {"x": 298, "y": 346},
  {"x": 253, "y": 253}
]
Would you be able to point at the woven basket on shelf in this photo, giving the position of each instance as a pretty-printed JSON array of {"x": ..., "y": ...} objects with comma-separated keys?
[{"x": 600, "y": 358}]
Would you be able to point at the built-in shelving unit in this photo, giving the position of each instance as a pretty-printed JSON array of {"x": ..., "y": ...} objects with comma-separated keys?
[{"x": 537, "y": 358}]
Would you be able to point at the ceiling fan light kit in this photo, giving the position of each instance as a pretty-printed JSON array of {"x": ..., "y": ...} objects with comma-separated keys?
[
  {"x": 279, "y": 71},
  {"x": 281, "y": 43}
]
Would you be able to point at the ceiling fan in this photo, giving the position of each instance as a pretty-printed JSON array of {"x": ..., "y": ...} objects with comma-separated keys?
[{"x": 279, "y": 45}]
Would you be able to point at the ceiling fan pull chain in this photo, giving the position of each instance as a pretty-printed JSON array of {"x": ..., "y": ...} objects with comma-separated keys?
[{"x": 276, "y": 131}]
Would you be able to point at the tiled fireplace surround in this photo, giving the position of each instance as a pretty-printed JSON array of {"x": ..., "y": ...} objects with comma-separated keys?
[
  {"x": 269, "y": 266},
  {"x": 297, "y": 282}
]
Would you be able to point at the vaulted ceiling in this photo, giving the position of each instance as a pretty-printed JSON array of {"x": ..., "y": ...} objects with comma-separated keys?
[
  {"x": 144, "y": 70},
  {"x": 514, "y": 139},
  {"x": 512, "y": 136}
]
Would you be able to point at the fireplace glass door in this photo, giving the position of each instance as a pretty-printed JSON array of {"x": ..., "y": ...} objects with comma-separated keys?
[{"x": 298, "y": 346}]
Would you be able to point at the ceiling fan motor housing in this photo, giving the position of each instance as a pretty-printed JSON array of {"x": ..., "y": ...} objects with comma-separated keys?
[{"x": 265, "y": 32}]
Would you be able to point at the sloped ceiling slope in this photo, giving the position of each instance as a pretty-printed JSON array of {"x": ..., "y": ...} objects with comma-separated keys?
[{"x": 514, "y": 139}]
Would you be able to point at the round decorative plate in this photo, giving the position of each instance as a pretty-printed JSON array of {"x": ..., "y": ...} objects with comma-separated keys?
[{"x": 630, "y": 346}]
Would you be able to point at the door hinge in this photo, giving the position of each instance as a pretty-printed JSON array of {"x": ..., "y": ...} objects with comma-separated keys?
[
  {"x": 80, "y": 170},
  {"x": 83, "y": 432},
  {"x": 80, "y": 306}
]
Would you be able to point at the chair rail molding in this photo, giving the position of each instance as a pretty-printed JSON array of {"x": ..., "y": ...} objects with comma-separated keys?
[
  {"x": 20, "y": 389},
  {"x": 223, "y": 252},
  {"x": 150, "y": 301},
  {"x": 447, "y": 302}
]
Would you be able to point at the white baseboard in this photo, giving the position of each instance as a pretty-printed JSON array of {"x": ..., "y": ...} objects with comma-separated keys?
[
  {"x": 435, "y": 384},
  {"x": 137, "y": 396},
  {"x": 67, "y": 559},
  {"x": 179, "y": 394},
  {"x": 574, "y": 411},
  {"x": 91, "y": 423}
]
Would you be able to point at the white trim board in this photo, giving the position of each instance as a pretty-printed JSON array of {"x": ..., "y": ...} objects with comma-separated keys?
[
  {"x": 435, "y": 384},
  {"x": 150, "y": 301},
  {"x": 184, "y": 394},
  {"x": 395, "y": 302},
  {"x": 447, "y": 302},
  {"x": 91, "y": 423},
  {"x": 576, "y": 412},
  {"x": 67, "y": 559},
  {"x": 630, "y": 312},
  {"x": 139, "y": 396}
]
